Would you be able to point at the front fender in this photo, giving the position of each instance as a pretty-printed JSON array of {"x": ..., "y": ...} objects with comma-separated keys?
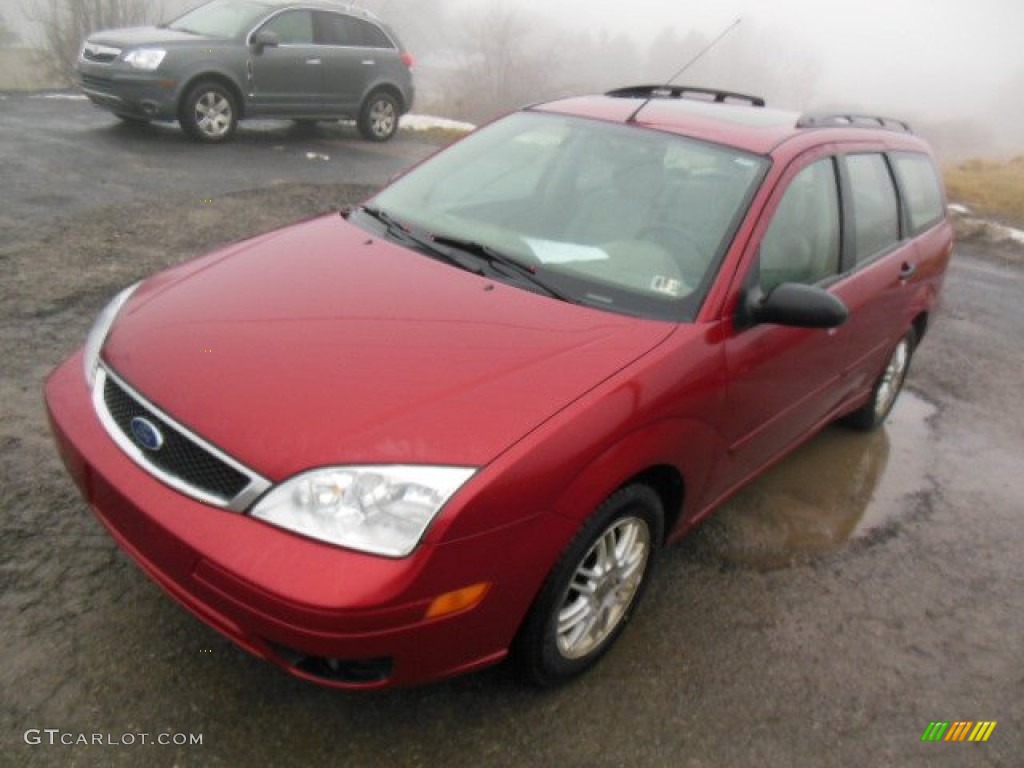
[{"x": 686, "y": 446}]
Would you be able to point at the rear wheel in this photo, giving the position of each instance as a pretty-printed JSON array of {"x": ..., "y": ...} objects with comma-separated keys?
[
  {"x": 378, "y": 118},
  {"x": 209, "y": 113},
  {"x": 590, "y": 594},
  {"x": 887, "y": 386}
]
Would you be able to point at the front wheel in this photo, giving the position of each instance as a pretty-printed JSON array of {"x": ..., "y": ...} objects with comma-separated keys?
[
  {"x": 887, "y": 386},
  {"x": 209, "y": 113},
  {"x": 378, "y": 119},
  {"x": 590, "y": 594}
]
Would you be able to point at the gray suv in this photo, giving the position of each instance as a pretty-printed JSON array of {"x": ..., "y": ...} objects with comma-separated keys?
[{"x": 231, "y": 59}]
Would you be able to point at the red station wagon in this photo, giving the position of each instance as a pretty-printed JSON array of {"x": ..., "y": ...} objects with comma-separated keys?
[{"x": 459, "y": 422}]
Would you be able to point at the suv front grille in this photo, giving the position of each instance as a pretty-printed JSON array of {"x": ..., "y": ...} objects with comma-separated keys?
[
  {"x": 182, "y": 460},
  {"x": 94, "y": 83}
]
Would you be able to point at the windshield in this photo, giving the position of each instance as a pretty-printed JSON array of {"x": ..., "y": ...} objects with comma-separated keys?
[
  {"x": 221, "y": 18},
  {"x": 614, "y": 216}
]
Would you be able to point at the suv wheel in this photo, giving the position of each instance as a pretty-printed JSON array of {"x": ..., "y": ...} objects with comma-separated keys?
[
  {"x": 209, "y": 113},
  {"x": 590, "y": 594},
  {"x": 378, "y": 119}
]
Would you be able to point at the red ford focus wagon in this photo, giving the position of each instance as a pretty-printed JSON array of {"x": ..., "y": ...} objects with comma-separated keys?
[{"x": 459, "y": 422}]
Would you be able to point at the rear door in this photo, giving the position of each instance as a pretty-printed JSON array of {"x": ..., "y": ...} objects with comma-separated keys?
[
  {"x": 880, "y": 266},
  {"x": 355, "y": 52}
]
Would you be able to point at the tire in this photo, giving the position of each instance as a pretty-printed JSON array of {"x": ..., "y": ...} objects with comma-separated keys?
[
  {"x": 568, "y": 630},
  {"x": 378, "y": 117},
  {"x": 887, "y": 387},
  {"x": 209, "y": 113}
]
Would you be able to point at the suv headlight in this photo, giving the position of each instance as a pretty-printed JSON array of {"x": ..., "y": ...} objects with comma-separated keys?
[
  {"x": 146, "y": 59},
  {"x": 383, "y": 510},
  {"x": 98, "y": 333}
]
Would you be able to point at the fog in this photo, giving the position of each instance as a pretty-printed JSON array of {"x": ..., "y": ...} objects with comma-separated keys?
[{"x": 954, "y": 69}]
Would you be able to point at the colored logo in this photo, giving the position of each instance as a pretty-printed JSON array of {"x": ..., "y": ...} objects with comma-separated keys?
[
  {"x": 959, "y": 730},
  {"x": 147, "y": 434}
]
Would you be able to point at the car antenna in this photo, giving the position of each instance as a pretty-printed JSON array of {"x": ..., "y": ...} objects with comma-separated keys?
[{"x": 686, "y": 66}]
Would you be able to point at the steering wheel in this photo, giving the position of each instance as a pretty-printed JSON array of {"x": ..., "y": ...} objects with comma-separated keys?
[{"x": 682, "y": 246}]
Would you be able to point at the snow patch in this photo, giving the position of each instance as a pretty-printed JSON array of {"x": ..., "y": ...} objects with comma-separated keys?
[
  {"x": 60, "y": 96},
  {"x": 427, "y": 122}
]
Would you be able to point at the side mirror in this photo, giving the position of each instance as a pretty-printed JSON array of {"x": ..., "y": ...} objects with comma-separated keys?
[
  {"x": 264, "y": 39},
  {"x": 796, "y": 304}
]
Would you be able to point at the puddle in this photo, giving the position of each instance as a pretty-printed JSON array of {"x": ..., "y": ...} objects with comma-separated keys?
[{"x": 842, "y": 485}]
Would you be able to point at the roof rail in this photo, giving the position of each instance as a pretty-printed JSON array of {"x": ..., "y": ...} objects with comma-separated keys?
[
  {"x": 852, "y": 120},
  {"x": 684, "y": 92},
  {"x": 352, "y": 8}
]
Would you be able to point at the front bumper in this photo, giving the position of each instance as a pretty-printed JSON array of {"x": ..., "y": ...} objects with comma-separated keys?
[
  {"x": 129, "y": 92},
  {"x": 334, "y": 616}
]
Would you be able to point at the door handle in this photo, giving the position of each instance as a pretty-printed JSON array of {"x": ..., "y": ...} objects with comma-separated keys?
[
  {"x": 907, "y": 270},
  {"x": 314, "y": 61},
  {"x": 369, "y": 62}
]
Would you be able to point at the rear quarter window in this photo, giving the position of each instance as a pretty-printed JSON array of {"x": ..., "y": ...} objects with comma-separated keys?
[{"x": 921, "y": 187}]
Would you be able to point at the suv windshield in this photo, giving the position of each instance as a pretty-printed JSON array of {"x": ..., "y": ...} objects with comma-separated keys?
[
  {"x": 613, "y": 216},
  {"x": 221, "y": 18}
]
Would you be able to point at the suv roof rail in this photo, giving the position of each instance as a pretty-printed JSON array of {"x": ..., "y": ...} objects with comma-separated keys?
[
  {"x": 351, "y": 8},
  {"x": 684, "y": 92},
  {"x": 851, "y": 120}
]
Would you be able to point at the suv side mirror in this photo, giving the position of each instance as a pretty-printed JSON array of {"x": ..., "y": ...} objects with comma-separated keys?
[
  {"x": 796, "y": 304},
  {"x": 264, "y": 39}
]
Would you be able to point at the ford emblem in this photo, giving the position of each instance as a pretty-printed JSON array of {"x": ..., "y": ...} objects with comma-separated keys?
[{"x": 147, "y": 434}]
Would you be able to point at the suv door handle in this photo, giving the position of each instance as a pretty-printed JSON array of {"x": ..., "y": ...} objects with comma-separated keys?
[
  {"x": 314, "y": 61},
  {"x": 907, "y": 270},
  {"x": 369, "y": 62}
]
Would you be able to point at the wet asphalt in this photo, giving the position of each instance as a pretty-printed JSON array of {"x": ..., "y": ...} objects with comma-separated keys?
[{"x": 869, "y": 585}]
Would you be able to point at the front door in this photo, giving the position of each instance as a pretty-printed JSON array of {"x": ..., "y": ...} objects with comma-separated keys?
[
  {"x": 783, "y": 381},
  {"x": 288, "y": 79}
]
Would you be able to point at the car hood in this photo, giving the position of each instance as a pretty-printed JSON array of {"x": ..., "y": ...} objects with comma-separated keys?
[
  {"x": 134, "y": 36},
  {"x": 319, "y": 344}
]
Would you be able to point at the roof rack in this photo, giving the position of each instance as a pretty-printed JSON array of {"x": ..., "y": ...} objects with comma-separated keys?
[
  {"x": 351, "y": 8},
  {"x": 684, "y": 92},
  {"x": 851, "y": 120}
]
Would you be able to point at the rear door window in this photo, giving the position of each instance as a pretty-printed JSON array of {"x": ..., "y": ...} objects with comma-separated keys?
[
  {"x": 922, "y": 190},
  {"x": 339, "y": 29},
  {"x": 875, "y": 206}
]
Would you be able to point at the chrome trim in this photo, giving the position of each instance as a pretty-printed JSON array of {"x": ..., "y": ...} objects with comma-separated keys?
[
  {"x": 95, "y": 49},
  {"x": 258, "y": 485}
]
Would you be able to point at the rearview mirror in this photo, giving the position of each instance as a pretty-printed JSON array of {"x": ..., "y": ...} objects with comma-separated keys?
[
  {"x": 796, "y": 304},
  {"x": 265, "y": 39}
]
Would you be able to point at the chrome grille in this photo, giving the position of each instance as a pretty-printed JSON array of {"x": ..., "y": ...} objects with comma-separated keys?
[{"x": 184, "y": 461}]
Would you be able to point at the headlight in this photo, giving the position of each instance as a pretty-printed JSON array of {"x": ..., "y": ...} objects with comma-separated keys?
[
  {"x": 383, "y": 510},
  {"x": 146, "y": 59},
  {"x": 98, "y": 333}
]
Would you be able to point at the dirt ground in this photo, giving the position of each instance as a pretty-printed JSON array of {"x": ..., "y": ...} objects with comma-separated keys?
[{"x": 819, "y": 620}]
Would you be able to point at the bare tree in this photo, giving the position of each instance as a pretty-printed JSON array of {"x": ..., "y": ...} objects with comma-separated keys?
[
  {"x": 509, "y": 58},
  {"x": 64, "y": 24},
  {"x": 7, "y": 35}
]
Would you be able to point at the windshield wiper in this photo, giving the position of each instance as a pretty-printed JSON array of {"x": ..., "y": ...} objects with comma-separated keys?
[
  {"x": 398, "y": 231},
  {"x": 494, "y": 257}
]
